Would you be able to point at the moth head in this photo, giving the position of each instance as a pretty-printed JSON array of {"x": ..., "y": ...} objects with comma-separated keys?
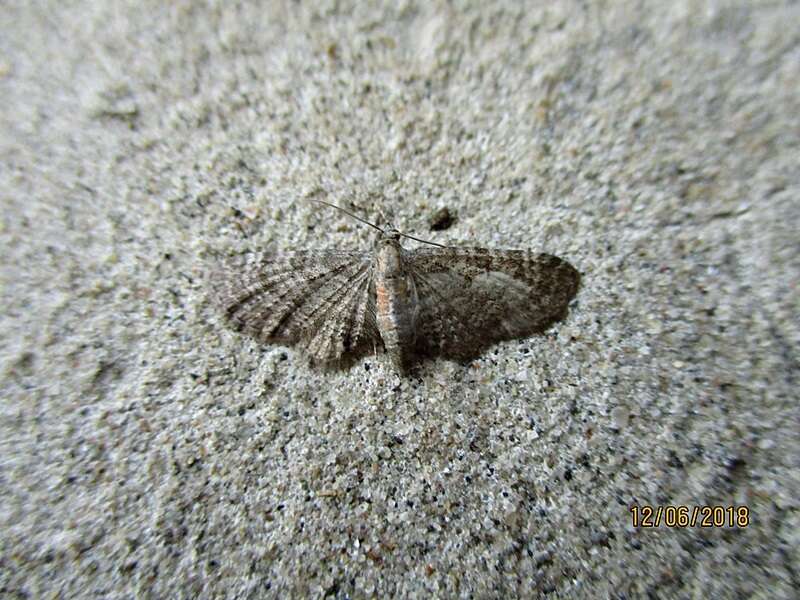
[{"x": 389, "y": 236}]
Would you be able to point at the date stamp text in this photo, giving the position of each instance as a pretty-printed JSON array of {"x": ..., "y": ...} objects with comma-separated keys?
[{"x": 680, "y": 516}]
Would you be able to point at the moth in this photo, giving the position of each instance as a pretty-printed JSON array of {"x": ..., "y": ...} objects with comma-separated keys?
[{"x": 448, "y": 302}]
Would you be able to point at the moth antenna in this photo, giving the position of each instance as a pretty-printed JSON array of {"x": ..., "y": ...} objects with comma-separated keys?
[
  {"x": 347, "y": 212},
  {"x": 411, "y": 237}
]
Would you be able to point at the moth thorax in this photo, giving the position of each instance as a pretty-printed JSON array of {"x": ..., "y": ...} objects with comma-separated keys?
[
  {"x": 397, "y": 304},
  {"x": 390, "y": 259}
]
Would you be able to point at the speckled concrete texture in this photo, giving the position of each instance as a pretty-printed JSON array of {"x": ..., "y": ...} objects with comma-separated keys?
[{"x": 148, "y": 452}]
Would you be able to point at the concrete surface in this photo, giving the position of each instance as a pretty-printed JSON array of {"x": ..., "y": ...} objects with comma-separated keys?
[{"x": 148, "y": 452}]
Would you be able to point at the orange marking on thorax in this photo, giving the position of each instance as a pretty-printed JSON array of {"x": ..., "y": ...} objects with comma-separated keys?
[{"x": 383, "y": 299}]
